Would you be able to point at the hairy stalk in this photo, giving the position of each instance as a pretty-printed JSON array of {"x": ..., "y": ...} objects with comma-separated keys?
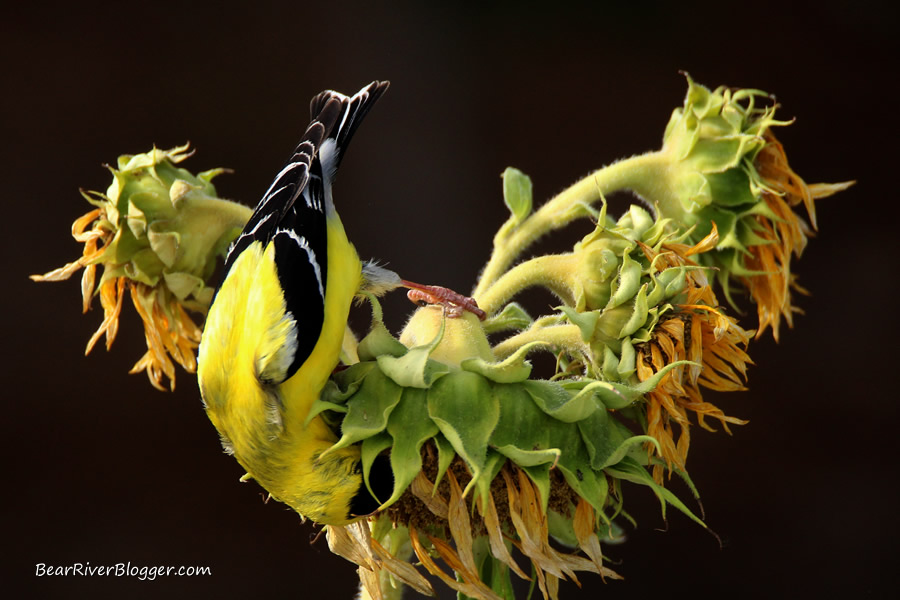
[
  {"x": 570, "y": 204},
  {"x": 548, "y": 271},
  {"x": 567, "y": 337}
]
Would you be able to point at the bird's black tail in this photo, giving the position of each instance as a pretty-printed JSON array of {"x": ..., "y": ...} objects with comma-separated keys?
[
  {"x": 308, "y": 173},
  {"x": 353, "y": 110}
]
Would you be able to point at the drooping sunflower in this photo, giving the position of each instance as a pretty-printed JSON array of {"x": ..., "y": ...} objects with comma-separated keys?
[{"x": 154, "y": 234}]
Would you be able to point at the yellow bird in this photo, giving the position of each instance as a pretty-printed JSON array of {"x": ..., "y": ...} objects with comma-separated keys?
[{"x": 274, "y": 331}]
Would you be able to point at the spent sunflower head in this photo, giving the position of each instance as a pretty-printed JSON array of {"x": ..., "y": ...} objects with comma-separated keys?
[
  {"x": 722, "y": 164},
  {"x": 486, "y": 456},
  {"x": 709, "y": 350},
  {"x": 155, "y": 233}
]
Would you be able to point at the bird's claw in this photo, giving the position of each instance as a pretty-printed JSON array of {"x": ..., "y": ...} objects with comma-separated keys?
[{"x": 454, "y": 303}]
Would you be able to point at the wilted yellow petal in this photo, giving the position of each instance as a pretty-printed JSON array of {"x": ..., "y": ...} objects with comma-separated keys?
[
  {"x": 823, "y": 190},
  {"x": 706, "y": 244},
  {"x": 553, "y": 587},
  {"x": 143, "y": 300},
  {"x": 583, "y": 524},
  {"x": 423, "y": 489},
  {"x": 87, "y": 286},
  {"x": 401, "y": 569},
  {"x": 448, "y": 555},
  {"x": 579, "y": 563},
  {"x": 111, "y": 294},
  {"x": 522, "y": 513},
  {"x": 341, "y": 543},
  {"x": 371, "y": 586},
  {"x": 59, "y": 274},
  {"x": 460, "y": 526},
  {"x": 488, "y": 511}
]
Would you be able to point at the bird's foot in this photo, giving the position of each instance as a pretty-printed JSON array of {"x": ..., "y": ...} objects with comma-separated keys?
[{"x": 454, "y": 303}]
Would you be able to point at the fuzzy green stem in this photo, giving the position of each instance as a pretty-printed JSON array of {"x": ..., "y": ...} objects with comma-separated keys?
[
  {"x": 551, "y": 271},
  {"x": 637, "y": 173},
  {"x": 567, "y": 337}
]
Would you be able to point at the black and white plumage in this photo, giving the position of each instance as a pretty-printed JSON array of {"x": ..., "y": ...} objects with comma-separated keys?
[{"x": 293, "y": 213}]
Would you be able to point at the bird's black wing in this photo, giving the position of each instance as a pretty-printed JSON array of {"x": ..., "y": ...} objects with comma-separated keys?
[{"x": 292, "y": 213}]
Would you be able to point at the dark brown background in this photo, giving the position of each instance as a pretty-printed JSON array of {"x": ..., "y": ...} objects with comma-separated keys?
[{"x": 99, "y": 467}]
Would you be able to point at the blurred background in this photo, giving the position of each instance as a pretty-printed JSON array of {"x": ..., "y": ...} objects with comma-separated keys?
[{"x": 101, "y": 468}]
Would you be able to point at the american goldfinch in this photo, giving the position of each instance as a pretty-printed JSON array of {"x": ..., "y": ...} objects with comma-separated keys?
[{"x": 275, "y": 328}]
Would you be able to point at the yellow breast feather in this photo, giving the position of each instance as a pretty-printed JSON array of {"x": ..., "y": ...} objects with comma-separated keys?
[
  {"x": 248, "y": 336},
  {"x": 274, "y": 331}
]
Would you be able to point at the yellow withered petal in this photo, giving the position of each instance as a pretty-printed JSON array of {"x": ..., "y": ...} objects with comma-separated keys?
[
  {"x": 446, "y": 552},
  {"x": 159, "y": 364},
  {"x": 422, "y": 489},
  {"x": 340, "y": 543},
  {"x": 488, "y": 510},
  {"x": 88, "y": 278},
  {"x": 370, "y": 584},
  {"x": 584, "y": 525},
  {"x": 402, "y": 570},
  {"x": 787, "y": 234},
  {"x": 461, "y": 527},
  {"x": 715, "y": 341},
  {"x": 111, "y": 294},
  {"x": 709, "y": 242}
]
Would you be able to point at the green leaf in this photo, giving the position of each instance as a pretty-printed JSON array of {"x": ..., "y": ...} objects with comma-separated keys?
[
  {"x": 207, "y": 176},
  {"x": 585, "y": 321},
  {"x": 629, "y": 470},
  {"x": 379, "y": 341},
  {"x": 557, "y": 402},
  {"x": 492, "y": 465},
  {"x": 446, "y": 454},
  {"x": 641, "y": 220},
  {"x": 600, "y": 437},
  {"x": 491, "y": 571},
  {"x": 615, "y": 396},
  {"x": 731, "y": 188},
  {"x": 512, "y": 370},
  {"x": 368, "y": 411},
  {"x": 415, "y": 368},
  {"x": 410, "y": 426},
  {"x": 517, "y": 193},
  {"x": 604, "y": 440},
  {"x": 369, "y": 450},
  {"x": 345, "y": 383},
  {"x": 628, "y": 282},
  {"x": 466, "y": 411},
  {"x": 561, "y": 529},
  {"x": 521, "y": 434},
  {"x": 639, "y": 314},
  {"x": 676, "y": 284},
  {"x": 181, "y": 284},
  {"x": 513, "y": 316},
  {"x": 648, "y": 385},
  {"x": 610, "y": 365},
  {"x": 627, "y": 361},
  {"x": 575, "y": 464}
]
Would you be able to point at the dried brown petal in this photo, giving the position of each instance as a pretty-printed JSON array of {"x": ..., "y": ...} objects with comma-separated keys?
[
  {"x": 488, "y": 511},
  {"x": 401, "y": 569}
]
